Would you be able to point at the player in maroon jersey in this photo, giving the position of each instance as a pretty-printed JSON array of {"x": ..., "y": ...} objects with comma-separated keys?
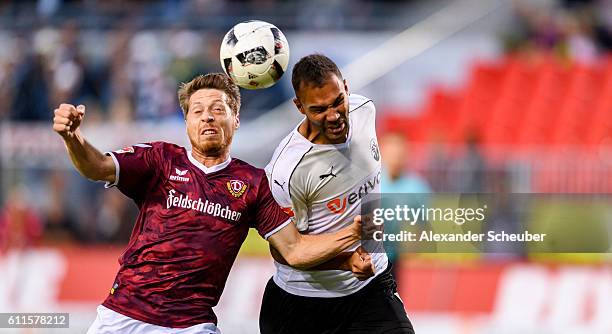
[{"x": 196, "y": 207}]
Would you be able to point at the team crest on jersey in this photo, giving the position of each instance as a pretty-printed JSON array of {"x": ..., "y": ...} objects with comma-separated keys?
[
  {"x": 127, "y": 149},
  {"x": 236, "y": 187},
  {"x": 374, "y": 149}
]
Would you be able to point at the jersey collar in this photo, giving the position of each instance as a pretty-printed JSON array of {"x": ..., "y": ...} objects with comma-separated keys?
[{"x": 208, "y": 170}]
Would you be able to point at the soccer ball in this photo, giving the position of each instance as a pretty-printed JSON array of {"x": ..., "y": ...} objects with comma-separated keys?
[{"x": 255, "y": 54}]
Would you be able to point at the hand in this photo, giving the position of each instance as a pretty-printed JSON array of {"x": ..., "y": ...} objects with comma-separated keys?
[
  {"x": 361, "y": 264},
  {"x": 356, "y": 227},
  {"x": 68, "y": 119}
]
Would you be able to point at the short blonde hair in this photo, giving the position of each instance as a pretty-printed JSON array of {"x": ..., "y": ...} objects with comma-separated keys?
[{"x": 218, "y": 81}]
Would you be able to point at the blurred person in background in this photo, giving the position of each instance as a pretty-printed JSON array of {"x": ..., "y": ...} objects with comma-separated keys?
[
  {"x": 397, "y": 180},
  {"x": 196, "y": 207},
  {"x": 471, "y": 168},
  {"x": 30, "y": 93},
  {"x": 506, "y": 214},
  {"x": 21, "y": 230},
  {"x": 60, "y": 222},
  {"x": 20, "y": 225},
  {"x": 575, "y": 30},
  {"x": 395, "y": 177},
  {"x": 112, "y": 214}
]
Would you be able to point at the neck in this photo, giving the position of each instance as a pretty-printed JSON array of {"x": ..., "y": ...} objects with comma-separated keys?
[
  {"x": 209, "y": 160},
  {"x": 308, "y": 132}
]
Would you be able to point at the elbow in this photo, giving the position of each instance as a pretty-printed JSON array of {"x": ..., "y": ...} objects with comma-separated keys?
[
  {"x": 294, "y": 260},
  {"x": 92, "y": 175},
  {"x": 96, "y": 174}
]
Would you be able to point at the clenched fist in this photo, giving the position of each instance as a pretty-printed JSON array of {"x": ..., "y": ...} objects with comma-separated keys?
[
  {"x": 68, "y": 119},
  {"x": 361, "y": 264}
]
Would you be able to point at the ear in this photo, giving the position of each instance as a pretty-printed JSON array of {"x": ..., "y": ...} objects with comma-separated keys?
[
  {"x": 298, "y": 104},
  {"x": 345, "y": 86},
  {"x": 237, "y": 121}
]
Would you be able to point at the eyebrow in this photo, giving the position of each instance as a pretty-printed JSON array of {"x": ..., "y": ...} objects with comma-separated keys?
[
  {"x": 213, "y": 102},
  {"x": 340, "y": 96}
]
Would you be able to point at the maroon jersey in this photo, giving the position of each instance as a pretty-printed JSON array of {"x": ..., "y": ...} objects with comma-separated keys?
[{"x": 191, "y": 224}]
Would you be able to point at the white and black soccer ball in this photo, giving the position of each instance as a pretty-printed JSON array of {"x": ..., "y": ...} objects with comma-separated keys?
[{"x": 255, "y": 54}]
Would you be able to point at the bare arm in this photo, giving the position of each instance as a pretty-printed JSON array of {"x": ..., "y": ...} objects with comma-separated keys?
[
  {"x": 307, "y": 251},
  {"x": 358, "y": 262},
  {"x": 90, "y": 162}
]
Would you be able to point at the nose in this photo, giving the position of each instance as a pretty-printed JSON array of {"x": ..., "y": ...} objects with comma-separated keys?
[
  {"x": 332, "y": 115},
  {"x": 208, "y": 117}
]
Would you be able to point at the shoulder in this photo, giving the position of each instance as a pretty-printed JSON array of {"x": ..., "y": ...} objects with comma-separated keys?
[
  {"x": 288, "y": 154},
  {"x": 246, "y": 167},
  {"x": 359, "y": 102},
  {"x": 166, "y": 148},
  {"x": 247, "y": 171},
  {"x": 161, "y": 154},
  {"x": 157, "y": 147}
]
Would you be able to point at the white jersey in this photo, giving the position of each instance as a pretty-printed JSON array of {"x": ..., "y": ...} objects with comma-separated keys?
[{"x": 322, "y": 186}]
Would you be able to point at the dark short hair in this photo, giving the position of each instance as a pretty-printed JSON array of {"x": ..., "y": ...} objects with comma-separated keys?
[
  {"x": 218, "y": 81},
  {"x": 313, "y": 69}
]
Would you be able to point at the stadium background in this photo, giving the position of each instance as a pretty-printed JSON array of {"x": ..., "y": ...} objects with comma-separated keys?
[{"x": 492, "y": 96}]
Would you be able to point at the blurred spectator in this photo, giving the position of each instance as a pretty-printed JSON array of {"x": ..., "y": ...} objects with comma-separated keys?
[
  {"x": 471, "y": 168},
  {"x": 114, "y": 217},
  {"x": 154, "y": 94},
  {"x": 580, "y": 42},
  {"x": 505, "y": 214},
  {"x": 60, "y": 224},
  {"x": 395, "y": 181},
  {"x": 30, "y": 101},
  {"x": 395, "y": 178},
  {"x": 20, "y": 225},
  {"x": 578, "y": 30}
]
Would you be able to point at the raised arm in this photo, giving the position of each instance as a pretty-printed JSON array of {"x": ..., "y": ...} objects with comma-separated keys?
[
  {"x": 90, "y": 162},
  {"x": 307, "y": 251}
]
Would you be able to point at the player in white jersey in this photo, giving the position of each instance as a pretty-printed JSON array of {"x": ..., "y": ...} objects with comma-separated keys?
[{"x": 322, "y": 173}]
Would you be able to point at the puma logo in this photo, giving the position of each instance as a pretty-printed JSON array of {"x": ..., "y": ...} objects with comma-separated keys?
[
  {"x": 331, "y": 173},
  {"x": 280, "y": 185}
]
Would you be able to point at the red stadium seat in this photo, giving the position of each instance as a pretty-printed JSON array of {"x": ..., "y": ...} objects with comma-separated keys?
[{"x": 539, "y": 108}]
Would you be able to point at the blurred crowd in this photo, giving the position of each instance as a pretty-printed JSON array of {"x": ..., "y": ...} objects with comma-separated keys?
[
  {"x": 575, "y": 29},
  {"x": 120, "y": 74}
]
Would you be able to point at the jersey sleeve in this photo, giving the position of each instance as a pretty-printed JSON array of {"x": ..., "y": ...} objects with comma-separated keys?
[
  {"x": 269, "y": 216},
  {"x": 136, "y": 169},
  {"x": 298, "y": 194},
  {"x": 288, "y": 189}
]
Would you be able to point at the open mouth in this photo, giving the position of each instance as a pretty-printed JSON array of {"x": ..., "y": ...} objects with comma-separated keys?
[
  {"x": 337, "y": 129},
  {"x": 209, "y": 132}
]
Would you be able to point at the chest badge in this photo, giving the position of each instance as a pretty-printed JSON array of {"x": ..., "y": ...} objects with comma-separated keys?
[{"x": 236, "y": 187}]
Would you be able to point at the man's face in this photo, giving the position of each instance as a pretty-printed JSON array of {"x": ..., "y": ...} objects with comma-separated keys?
[
  {"x": 210, "y": 122},
  {"x": 326, "y": 109}
]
